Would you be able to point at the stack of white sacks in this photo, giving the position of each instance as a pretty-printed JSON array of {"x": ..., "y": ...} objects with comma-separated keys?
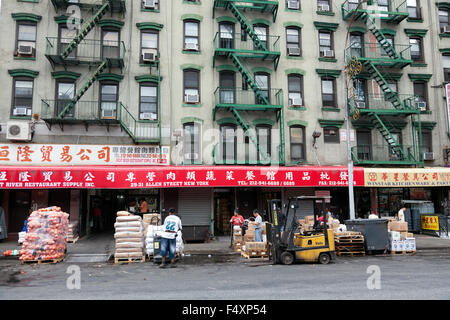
[
  {"x": 129, "y": 236},
  {"x": 155, "y": 231}
]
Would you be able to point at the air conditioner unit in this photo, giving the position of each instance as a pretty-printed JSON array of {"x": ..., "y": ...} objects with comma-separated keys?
[
  {"x": 191, "y": 156},
  {"x": 294, "y": 51},
  {"x": 108, "y": 114},
  {"x": 191, "y": 46},
  {"x": 149, "y": 4},
  {"x": 191, "y": 98},
  {"x": 148, "y": 116},
  {"x": 428, "y": 156},
  {"x": 22, "y": 111},
  {"x": 150, "y": 56},
  {"x": 18, "y": 131},
  {"x": 296, "y": 102},
  {"x": 421, "y": 105},
  {"x": 446, "y": 29},
  {"x": 293, "y": 4},
  {"x": 323, "y": 7},
  {"x": 360, "y": 104},
  {"x": 328, "y": 53},
  {"x": 25, "y": 50}
]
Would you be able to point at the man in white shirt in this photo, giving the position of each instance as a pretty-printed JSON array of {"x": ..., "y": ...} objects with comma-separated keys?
[
  {"x": 401, "y": 214},
  {"x": 258, "y": 225},
  {"x": 172, "y": 224}
]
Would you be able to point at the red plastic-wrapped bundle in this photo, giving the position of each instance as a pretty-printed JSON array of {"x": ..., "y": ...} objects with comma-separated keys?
[{"x": 46, "y": 237}]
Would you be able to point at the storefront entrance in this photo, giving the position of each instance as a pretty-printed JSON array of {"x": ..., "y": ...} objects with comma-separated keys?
[{"x": 223, "y": 210}]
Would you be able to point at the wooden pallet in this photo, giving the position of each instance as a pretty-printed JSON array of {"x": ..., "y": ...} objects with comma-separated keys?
[
  {"x": 352, "y": 240},
  {"x": 404, "y": 252},
  {"x": 73, "y": 240},
  {"x": 257, "y": 255},
  {"x": 50, "y": 261},
  {"x": 348, "y": 234},
  {"x": 350, "y": 253},
  {"x": 128, "y": 260}
]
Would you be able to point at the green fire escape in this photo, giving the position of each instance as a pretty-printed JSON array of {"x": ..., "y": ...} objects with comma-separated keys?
[
  {"x": 240, "y": 49},
  {"x": 379, "y": 59}
]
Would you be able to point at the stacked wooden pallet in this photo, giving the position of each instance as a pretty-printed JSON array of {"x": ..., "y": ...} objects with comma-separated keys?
[{"x": 349, "y": 243}]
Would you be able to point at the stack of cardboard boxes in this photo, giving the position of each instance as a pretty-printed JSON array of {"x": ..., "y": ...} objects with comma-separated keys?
[
  {"x": 250, "y": 248},
  {"x": 237, "y": 238},
  {"x": 307, "y": 224},
  {"x": 153, "y": 219},
  {"x": 399, "y": 238}
]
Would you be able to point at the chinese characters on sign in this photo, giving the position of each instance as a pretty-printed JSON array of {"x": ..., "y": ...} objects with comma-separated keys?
[
  {"x": 167, "y": 177},
  {"x": 77, "y": 155},
  {"x": 431, "y": 177},
  {"x": 430, "y": 223}
]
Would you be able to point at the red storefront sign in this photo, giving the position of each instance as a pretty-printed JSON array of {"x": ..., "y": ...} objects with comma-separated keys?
[{"x": 115, "y": 177}]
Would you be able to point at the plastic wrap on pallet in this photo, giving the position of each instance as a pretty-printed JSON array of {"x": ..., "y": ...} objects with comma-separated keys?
[
  {"x": 46, "y": 238},
  {"x": 129, "y": 236}
]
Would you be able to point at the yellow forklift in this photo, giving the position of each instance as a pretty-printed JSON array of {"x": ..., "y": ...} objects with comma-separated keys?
[{"x": 290, "y": 245}]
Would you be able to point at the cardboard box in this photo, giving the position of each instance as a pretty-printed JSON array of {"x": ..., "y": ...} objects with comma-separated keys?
[
  {"x": 401, "y": 226},
  {"x": 309, "y": 219},
  {"x": 249, "y": 237},
  {"x": 237, "y": 239},
  {"x": 148, "y": 217},
  {"x": 251, "y": 226},
  {"x": 410, "y": 244},
  {"x": 403, "y": 235},
  {"x": 394, "y": 235},
  {"x": 256, "y": 246},
  {"x": 396, "y": 245},
  {"x": 301, "y": 221},
  {"x": 409, "y": 235}
]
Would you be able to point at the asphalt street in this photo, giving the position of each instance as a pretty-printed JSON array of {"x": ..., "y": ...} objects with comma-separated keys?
[{"x": 425, "y": 275}]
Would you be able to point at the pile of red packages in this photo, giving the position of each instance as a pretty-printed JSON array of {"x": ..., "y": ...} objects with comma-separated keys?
[{"x": 46, "y": 238}]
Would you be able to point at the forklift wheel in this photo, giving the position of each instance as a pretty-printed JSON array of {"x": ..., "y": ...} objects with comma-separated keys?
[
  {"x": 324, "y": 258},
  {"x": 287, "y": 258}
]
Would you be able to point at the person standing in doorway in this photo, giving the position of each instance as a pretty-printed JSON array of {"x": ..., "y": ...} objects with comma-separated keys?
[
  {"x": 258, "y": 225},
  {"x": 143, "y": 206},
  {"x": 98, "y": 220},
  {"x": 3, "y": 230},
  {"x": 401, "y": 214},
  {"x": 172, "y": 224}
]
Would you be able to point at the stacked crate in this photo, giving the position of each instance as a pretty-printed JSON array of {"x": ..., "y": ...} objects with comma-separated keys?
[
  {"x": 349, "y": 243},
  {"x": 237, "y": 239}
]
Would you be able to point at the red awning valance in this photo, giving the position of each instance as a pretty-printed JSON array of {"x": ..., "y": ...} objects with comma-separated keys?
[{"x": 126, "y": 177}]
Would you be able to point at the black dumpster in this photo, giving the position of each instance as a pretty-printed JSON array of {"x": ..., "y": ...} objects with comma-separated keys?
[{"x": 375, "y": 232}]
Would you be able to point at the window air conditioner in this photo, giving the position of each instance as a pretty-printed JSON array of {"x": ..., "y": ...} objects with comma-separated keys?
[
  {"x": 360, "y": 104},
  {"x": 191, "y": 156},
  {"x": 428, "y": 156},
  {"x": 294, "y": 51},
  {"x": 25, "y": 50},
  {"x": 149, "y": 4},
  {"x": 108, "y": 114},
  {"x": 296, "y": 102},
  {"x": 191, "y": 46},
  {"x": 191, "y": 98},
  {"x": 323, "y": 7},
  {"x": 328, "y": 53},
  {"x": 18, "y": 131},
  {"x": 446, "y": 29},
  {"x": 293, "y": 4},
  {"x": 149, "y": 56},
  {"x": 148, "y": 116},
  {"x": 21, "y": 111},
  {"x": 421, "y": 105}
]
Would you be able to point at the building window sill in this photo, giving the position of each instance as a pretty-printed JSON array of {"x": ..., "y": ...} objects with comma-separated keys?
[
  {"x": 328, "y": 60},
  {"x": 20, "y": 118},
  {"x": 150, "y": 10},
  {"x": 419, "y": 20},
  {"x": 426, "y": 112},
  {"x": 419, "y": 65},
  {"x": 197, "y": 3},
  {"x": 25, "y": 58},
  {"x": 297, "y": 108},
  {"x": 331, "y": 109},
  {"x": 325, "y": 13},
  {"x": 191, "y": 52},
  {"x": 294, "y": 58},
  {"x": 444, "y": 35},
  {"x": 192, "y": 105},
  {"x": 293, "y": 10}
]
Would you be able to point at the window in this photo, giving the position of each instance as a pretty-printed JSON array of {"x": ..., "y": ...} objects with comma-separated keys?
[
  {"x": 293, "y": 41},
  {"x": 229, "y": 144},
  {"x": 427, "y": 145},
  {"x": 328, "y": 92},
  {"x": 390, "y": 39},
  {"x": 353, "y": 4},
  {"x": 109, "y": 97},
  {"x": 360, "y": 90},
  {"x": 364, "y": 144},
  {"x": 446, "y": 65},
  {"x": 191, "y": 35},
  {"x": 65, "y": 91},
  {"x": 394, "y": 153},
  {"x": 22, "y": 101},
  {"x": 65, "y": 37},
  {"x": 295, "y": 90},
  {"x": 262, "y": 80},
  {"x": 264, "y": 140},
  {"x": 191, "y": 143},
  {"x": 148, "y": 101},
  {"x": 394, "y": 86},
  {"x": 147, "y": 5},
  {"x": 413, "y": 9},
  {"x": 191, "y": 80},
  {"x": 227, "y": 81},
  {"x": 323, "y": 5},
  {"x": 262, "y": 31},
  {"x": 416, "y": 49},
  {"x": 293, "y": 4},
  {"x": 226, "y": 35},
  {"x": 149, "y": 46},
  {"x": 110, "y": 43},
  {"x": 420, "y": 91},
  {"x": 297, "y": 139},
  {"x": 443, "y": 19},
  {"x": 383, "y": 5},
  {"x": 331, "y": 135},
  {"x": 326, "y": 44},
  {"x": 356, "y": 44},
  {"x": 26, "y": 40}
]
